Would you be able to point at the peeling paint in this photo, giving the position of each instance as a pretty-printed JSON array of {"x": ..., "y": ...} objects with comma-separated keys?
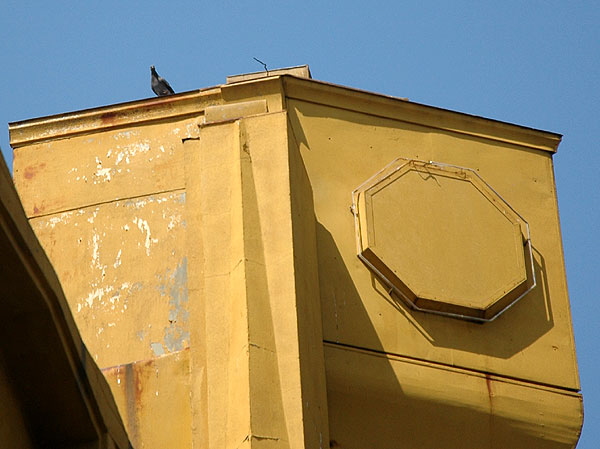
[
  {"x": 144, "y": 227},
  {"x": 111, "y": 242},
  {"x": 137, "y": 202},
  {"x": 93, "y": 216},
  {"x": 192, "y": 129},
  {"x": 126, "y": 134},
  {"x": 173, "y": 221},
  {"x": 84, "y": 178},
  {"x": 104, "y": 174},
  {"x": 128, "y": 151},
  {"x": 62, "y": 218},
  {"x": 174, "y": 286},
  {"x": 157, "y": 349},
  {"x": 96, "y": 251},
  {"x": 118, "y": 259},
  {"x": 180, "y": 198},
  {"x": 98, "y": 295},
  {"x": 53, "y": 221}
]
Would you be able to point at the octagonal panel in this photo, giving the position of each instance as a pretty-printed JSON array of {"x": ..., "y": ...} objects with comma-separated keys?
[{"x": 443, "y": 240}]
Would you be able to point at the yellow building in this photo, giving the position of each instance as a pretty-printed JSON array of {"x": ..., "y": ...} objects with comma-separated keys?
[{"x": 279, "y": 262}]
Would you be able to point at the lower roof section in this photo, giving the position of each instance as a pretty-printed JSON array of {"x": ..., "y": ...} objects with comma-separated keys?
[{"x": 382, "y": 401}]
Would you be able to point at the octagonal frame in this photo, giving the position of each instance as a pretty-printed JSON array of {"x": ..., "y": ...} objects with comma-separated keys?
[{"x": 395, "y": 285}]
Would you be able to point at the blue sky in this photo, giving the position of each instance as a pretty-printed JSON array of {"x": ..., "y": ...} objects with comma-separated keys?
[{"x": 535, "y": 63}]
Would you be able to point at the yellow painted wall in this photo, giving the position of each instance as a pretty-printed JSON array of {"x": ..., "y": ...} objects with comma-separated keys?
[
  {"x": 341, "y": 150},
  {"x": 153, "y": 397},
  {"x": 110, "y": 209},
  {"x": 209, "y": 238},
  {"x": 122, "y": 193},
  {"x": 383, "y": 359}
]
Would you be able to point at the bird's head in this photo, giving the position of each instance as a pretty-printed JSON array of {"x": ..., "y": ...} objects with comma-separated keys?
[{"x": 152, "y": 69}]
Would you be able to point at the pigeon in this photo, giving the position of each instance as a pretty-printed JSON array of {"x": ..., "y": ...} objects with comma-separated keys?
[{"x": 160, "y": 86}]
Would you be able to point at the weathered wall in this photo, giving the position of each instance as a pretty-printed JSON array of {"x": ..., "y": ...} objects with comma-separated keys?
[
  {"x": 110, "y": 209},
  {"x": 207, "y": 245},
  {"x": 114, "y": 227}
]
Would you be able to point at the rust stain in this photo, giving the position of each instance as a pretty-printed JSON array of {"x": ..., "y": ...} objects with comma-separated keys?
[
  {"x": 108, "y": 117},
  {"x": 488, "y": 383},
  {"x": 133, "y": 391},
  {"x": 490, "y": 390},
  {"x": 30, "y": 171},
  {"x": 114, "y": 117},
  {"x": 39, "y": 210},
  {"x": 136, "y": 381}
]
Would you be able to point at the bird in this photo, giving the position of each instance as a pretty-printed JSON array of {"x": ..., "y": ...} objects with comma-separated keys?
[{"x": 160, "y": 86}]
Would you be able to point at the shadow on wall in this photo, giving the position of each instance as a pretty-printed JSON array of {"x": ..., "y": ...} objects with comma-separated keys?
[
  {"x": 374, "y": 142},
  {"x": 507, "y": 339},
  {"x": 377, "y": 395},
  {"x": 371, "y": 396}
]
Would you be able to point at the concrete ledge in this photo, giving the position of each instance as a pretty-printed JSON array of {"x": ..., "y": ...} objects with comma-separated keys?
[{"x": 394, "y": 397}]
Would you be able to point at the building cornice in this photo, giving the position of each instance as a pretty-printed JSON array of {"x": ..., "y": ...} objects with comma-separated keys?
[
  {"x": 138, "y": 112},
  {"x": 193, "y": 103},
  {"x": 400, "y": 109}
]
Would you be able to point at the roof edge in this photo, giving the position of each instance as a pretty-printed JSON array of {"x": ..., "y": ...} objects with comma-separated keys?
[
  {"x": 85, "y": 121},
  {"x": 401, "y": 109},
  {"x": 192, "y": 103}
]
